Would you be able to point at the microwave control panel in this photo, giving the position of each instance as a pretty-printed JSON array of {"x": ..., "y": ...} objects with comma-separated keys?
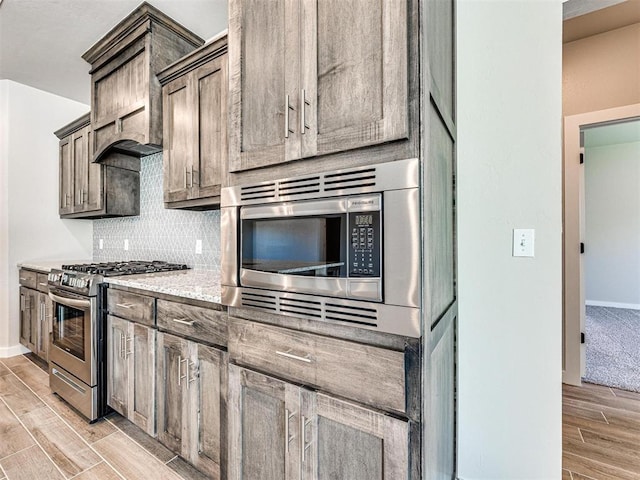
[{"x": 364, "y": 245}]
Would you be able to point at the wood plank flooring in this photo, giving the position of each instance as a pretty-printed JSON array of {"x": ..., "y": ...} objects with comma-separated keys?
[
  {"x": 42, "y": 437},
  {"x": 600, "y": 433}
]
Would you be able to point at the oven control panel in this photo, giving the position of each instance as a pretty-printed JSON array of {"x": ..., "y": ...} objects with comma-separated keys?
[
  {"x": 364, "y": 245},
  {"x": 73, "y": 281}
]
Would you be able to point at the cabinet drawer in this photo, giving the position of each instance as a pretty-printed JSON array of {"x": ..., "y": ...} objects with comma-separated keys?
[
  {"x": 131, "y": 306},
  {"x": 42, "y": 284},
  {"x": 194, "y": 322},
  {"x": 371, "y": 375},
  {"x": 28, "y": 278}
]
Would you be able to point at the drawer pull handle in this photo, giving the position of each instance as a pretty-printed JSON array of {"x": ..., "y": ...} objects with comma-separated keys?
[
  {"x": 305, "y": 359},
  {"x": 184, "y": 322},
  {"x": 43, "y": 284},
  {"x": 124, "y": 305},
  {"x": 22, "y": 279}
]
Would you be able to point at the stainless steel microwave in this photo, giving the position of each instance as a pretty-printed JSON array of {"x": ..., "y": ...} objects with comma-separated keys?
[{"x": 342, "y": 246}]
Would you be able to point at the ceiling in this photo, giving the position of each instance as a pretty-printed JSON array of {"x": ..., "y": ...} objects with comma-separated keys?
[
  {"x": 614, "y": 134},
  {"x": 42, "y": 41}
]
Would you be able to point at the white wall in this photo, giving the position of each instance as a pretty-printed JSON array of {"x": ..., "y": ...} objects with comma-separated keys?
[
  {"x": 30, "y": 225},
  {"x": 509, "y": 176},
  {"x": 612, "y": 223}
]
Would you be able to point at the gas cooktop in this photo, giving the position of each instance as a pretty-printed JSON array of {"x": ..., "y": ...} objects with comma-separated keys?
[
  {"x": 111, "y": 269},
  {"x": 84, "y": 278}
]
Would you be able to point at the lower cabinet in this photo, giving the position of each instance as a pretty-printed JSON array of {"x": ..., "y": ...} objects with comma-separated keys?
[
  {"x": 28, "y": 318},
  {"x": 130, "y": 371},
  {"x": 45, "y": 323},
  {"x": 279, "y": 431},
  {"x": 191, "y": 402},
  {"x": 36, "y": 311}
]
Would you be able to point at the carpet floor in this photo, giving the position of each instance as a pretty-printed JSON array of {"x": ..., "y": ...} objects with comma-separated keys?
[{"x": 613, "y": 347}]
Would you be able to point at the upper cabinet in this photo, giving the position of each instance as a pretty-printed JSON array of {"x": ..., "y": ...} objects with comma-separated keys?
[
  {"x": 312, "y": 78},
  {"x": 194, "y": 99},
  {"x": 126, "y": 97},
  {"x": 90, "y": 190}
]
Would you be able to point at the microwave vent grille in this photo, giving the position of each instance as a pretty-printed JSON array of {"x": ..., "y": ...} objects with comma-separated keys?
[
  {"x": 296, "y": 305},
  {"x": 298, "y": 187},
  {"x": 350, "y": 180},
  {"x": 263, "y": 192}
]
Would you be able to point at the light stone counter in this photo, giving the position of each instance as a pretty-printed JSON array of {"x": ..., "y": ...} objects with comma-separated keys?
[
  {"x": 197, "y": 284},
  {"x": 45, "y": 266}
]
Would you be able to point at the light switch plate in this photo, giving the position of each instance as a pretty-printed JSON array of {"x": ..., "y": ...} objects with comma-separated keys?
[
  {"x": 523, "y": 242},
  {"x": 126, "y": 244},
  {"x": 100, "y": 244},
  {"x": 199, "y": 247}
]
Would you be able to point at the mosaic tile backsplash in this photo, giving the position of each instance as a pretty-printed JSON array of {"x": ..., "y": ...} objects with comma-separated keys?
[{"x": 159, "y": 233}]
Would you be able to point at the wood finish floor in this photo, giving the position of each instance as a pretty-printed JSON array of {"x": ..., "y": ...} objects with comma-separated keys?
[
  {"x": 41, "y": 437},
  {"x": 600, "y": 433}
]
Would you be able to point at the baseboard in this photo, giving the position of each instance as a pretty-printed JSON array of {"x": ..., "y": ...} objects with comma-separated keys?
[
  {"x": 6, "y": 352},
  {"x": 597, "y": 303}
]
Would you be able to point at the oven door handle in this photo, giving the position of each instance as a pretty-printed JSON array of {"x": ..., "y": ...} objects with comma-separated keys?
[{"x": 71, "y": 302}]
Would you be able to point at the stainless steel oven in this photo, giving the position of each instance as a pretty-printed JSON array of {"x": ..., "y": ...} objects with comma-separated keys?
[
  {"x": 76, "y": 341},
  {"x": 342, "y": 247}
]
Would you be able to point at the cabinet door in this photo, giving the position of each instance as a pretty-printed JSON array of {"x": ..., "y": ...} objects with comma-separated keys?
[
  {"x": 263, "y": 418},
  {"x": 141, "y": 353},
  {"x": 26, "y": 310},
  {"x": 264, "y": 72},
  {"x": 354, "y": 74},
  {"x": 344, "y": 440},
  {"x": 95, "y": 183},
  {"x": 179, "y": 139},
  {"x": 207, "y": 409},
  {"x": 80, "y": 152},
  {"x": 45, "y": 309},
  {"x": 172, "y": 362},
  {"x": 117, "y": 365},
  {"x": 66, "y": 176},
  {"x": 210, "y": 88}
]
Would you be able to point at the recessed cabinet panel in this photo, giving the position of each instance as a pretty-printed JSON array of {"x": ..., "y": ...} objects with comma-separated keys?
[
  {"x": 194, "y": 95},
  {"x": 310, "y": 78},
  {"x": 173, "y": 360},
  {"x": 66, "y": 177},
  {"x": 362, "y": 461},
  {"x": 212, "y": 132},
  {"x": 179, "y": 143}
]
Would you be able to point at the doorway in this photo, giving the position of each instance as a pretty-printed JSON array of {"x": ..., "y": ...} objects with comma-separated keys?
[
  {"x": 574, "y": 288},
  {"x": 610, "y": 214}
]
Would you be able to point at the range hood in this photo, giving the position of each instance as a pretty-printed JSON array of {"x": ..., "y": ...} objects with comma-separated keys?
[{"x": 126, "y": 96}]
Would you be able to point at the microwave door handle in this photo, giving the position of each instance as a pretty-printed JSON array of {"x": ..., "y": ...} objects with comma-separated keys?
[{"x": 71, "y": 302}]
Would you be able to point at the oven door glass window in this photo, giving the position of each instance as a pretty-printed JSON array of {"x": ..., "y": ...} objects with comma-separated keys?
[
  {"x": 310, "y": 246},
  {"x": 69, "y": 330}
]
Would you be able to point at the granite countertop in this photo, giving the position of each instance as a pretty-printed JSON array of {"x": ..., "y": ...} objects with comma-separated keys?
[
  {"x": 197, "y": 284},
  {"x": 45, "y": 266}
]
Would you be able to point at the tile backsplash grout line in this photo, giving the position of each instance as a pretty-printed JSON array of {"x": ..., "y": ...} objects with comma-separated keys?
[{"x": 159, "y": 233}]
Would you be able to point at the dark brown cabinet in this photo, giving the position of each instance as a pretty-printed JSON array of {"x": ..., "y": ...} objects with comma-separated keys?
[
  {"x": 191, "y": 393},
  {"x": 194, "y": 96},
  {"x": 91, "y": 190},
  {"x": 311, "y": 79},
  {"x": 126, "y": 108},
  {"x": 278, "y": 430}
]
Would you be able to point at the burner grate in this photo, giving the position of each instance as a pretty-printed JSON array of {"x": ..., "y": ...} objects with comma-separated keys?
[{"x": 112, "y": 269}]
